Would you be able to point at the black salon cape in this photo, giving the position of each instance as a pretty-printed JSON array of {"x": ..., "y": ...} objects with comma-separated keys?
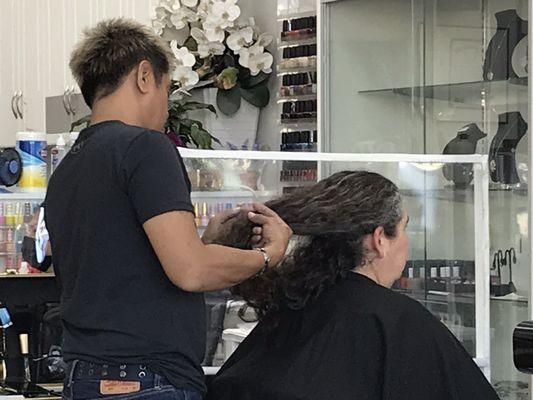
[{"x": 357, "y": 341}]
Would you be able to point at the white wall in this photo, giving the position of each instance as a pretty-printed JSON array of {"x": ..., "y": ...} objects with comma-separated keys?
[{"x": 265, "y": 15}]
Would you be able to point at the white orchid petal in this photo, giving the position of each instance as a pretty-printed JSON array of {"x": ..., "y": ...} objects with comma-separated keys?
[
  {"x": 233, "y": 41},
  {"x": 158, "y": 27},
  {"x": 170, "y": 5},
  {"x": 215, "y": 34},
  {"x": 203, "y": 50},
  {"x": 233, "y": 12},
  {"x": 244, "y": 58},
  {"x": 178, "y": 21},
  {"x": 265, "y": 39},
  {"x": 185, "y": 76},
  {"x": 199, "y": 36},
  {"x": 248, "y": 34},
  {"x": 190, "y": 3}
]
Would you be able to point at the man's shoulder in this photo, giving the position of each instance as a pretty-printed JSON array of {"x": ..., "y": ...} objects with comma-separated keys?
[
  {"x": 122, "y": 137},
  {"x": 122, "y": 132}
]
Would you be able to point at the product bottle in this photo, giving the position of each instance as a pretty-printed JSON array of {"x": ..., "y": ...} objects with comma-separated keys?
[
  {"x": 58, "y": 152},
  {"x": 73, "y": 136}
]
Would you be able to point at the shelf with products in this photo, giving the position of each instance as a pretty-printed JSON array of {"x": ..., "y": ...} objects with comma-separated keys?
[
  {"x": 462, "y": 92},
  {"x": 298, "y": 86},
  {"x": 304, "y": 63}
]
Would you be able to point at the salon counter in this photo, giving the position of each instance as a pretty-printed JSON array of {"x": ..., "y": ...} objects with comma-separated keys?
[{"x": 31, "y": 289}]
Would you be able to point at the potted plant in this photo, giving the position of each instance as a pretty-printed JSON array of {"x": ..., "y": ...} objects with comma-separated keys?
[{"x": 221, "y": 55}]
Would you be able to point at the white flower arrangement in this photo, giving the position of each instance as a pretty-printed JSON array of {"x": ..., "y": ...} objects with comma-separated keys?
[{"x": 213, "y": 47}]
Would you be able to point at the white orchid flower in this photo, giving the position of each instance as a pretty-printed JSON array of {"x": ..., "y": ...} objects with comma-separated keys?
[
  {"x": 158, "y": 26},
  {"x": 205, "y": 46},
  {"x": 183, "y": 56},
  {"x": 237, "y": 40},
  {"x": 265, "y": 39},
  {"x": 160, "y": 20},
  {"x": 181, "y": 18},
  {"x": 211, "y": 48},
  {"x": 170, "y": 5},
  {"x": 204, "y": 9},
  {"x": 262, "y": 62},
  {"x": 227, "y": 11},
  {"x": 185, "y": 76},
  {"x": 245, "y": 54},
  {"x": 189, "y": 3},
  {"x": 160, "y": 14},
  {"x": 214, "y": 30}
]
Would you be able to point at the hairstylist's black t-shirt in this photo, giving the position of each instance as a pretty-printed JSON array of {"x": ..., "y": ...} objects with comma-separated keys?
[{"x": 118, "y": 306}]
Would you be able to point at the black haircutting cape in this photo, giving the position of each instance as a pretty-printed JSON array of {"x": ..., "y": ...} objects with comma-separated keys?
[{"x": 356, "y": 341}]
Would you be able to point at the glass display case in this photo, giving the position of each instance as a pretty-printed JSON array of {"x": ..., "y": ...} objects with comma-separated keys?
[
  {"x": 448, "y": 267},
  {"x": 434, "y": 77}
]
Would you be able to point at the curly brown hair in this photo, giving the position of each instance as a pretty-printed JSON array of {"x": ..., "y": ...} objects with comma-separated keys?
[{"x": 331, "y": 219}]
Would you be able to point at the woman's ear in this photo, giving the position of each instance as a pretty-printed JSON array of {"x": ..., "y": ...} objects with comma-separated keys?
[{"x": 379, "y": 242}]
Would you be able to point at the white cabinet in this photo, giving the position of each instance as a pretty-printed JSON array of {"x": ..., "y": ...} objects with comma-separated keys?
[
  {"x": 36, "y": 41},
  {"x": 8, "y": 61},
  {"x": 31, "y": 48}
]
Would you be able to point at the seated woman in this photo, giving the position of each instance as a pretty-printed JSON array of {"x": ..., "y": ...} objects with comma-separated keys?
[{"x": 329, "y": 326}]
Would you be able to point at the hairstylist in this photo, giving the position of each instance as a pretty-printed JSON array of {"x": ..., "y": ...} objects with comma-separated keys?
[{"x": 124, "y": 242}]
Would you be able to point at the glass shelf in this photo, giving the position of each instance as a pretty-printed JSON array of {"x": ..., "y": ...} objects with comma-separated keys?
[
  {"x": 296, "y": 70},
  {"x": 298, "y": 97},
  {"x": 299, "y": 122},
  {"x": 282, "y": 16},
  {"x": 297, "y": 42},
  {"x": 225, "y": 194},
  {"x": 462, "y": 92},
  {"x": 38, "y": 275},
  {"x": 18, "y": 194}
]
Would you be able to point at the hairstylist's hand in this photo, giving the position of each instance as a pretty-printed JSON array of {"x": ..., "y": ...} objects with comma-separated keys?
[
  {"x": 275, "y": 233},
  {"x": 215, "y": 228}
]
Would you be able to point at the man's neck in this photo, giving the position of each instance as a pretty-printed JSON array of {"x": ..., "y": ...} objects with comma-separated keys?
[{"x": 111, "y": 108}]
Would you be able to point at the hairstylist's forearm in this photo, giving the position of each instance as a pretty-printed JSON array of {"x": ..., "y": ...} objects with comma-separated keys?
[
  {"x": 219, "y": 267},
  {"x": 192, "y": 265}
]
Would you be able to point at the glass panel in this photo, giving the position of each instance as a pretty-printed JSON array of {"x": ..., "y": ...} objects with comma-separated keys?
[
  {"x": 16, "y": 213},
  {"x": 441, "y": 268},
  {"x": 429, "y": 76},
  {"x": 364, "y": 58}
]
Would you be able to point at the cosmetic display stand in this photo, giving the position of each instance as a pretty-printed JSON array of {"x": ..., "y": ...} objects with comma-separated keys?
[{"x": 297, "y": 71}]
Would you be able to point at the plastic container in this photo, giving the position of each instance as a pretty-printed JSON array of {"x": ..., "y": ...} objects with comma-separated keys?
[{"x": 32, "y": 149}]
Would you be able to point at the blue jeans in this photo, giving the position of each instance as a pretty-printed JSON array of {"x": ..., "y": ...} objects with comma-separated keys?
[{"x": 82, "y": 386}]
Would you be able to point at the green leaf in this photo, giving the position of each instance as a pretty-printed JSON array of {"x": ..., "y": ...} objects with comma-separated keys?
[
  {"x": 194, "y": 105},
  {"x": 229, "y": 101},
  {"x": 227, "y": 79},
  {"x": 200, "y": 137},
  {"x": 258, "y": 96},
  {"x": 187, "y": 122},
  {"x": 253, "y": 81}
]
